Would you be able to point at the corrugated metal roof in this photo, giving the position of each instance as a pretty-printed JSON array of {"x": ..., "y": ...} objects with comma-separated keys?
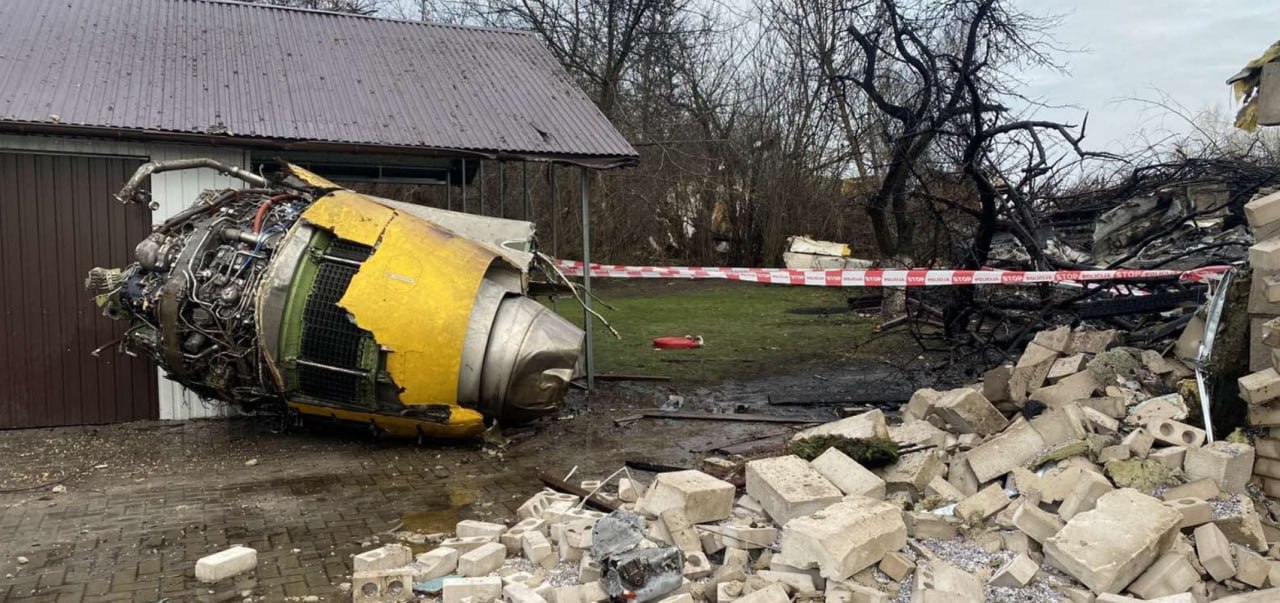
[{"x": 252, "y": 71}]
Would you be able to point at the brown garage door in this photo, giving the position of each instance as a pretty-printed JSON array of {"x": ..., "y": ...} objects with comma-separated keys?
[{"x": 58, "y": 220}]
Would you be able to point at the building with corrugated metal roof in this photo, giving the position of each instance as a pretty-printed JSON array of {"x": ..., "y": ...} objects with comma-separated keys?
[{"x": 90, "y": 89}]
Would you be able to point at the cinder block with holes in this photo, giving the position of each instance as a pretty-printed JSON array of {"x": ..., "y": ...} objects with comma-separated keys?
[
  {"x": 382, "y": 586},
  {"x": 1175, "y": 433}
]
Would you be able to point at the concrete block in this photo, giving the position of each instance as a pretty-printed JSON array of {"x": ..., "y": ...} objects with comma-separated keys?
[
  {"x": 1260, "y": 387},
  {"x": 748, "y": 537},
  {"x": 1093, "y": 342},
  {"x": 436, "y": 563},
  {"x": 918, "y": 433},
  {"x": 897, "y": 565},
  {"x": 1018, "y": 445},
  {"x": 923, "y": 524},
  {"x": 540, "y": 502},
  {"x": 1015, "y": 573},
  {"x": 1066, "y": 366},
  {"x": 702, "y": 497},
  {"x": 1171, "y": 407},
  {"x": 681, "y": 531},
  {"x": 1060, "y": 479},
  {"x": 227, "y": 562},
  {"x": 1035, "y": 522},
  {"x": 1214, "y": 552},
  {"x": 1109, "y": 547},
  {"x": 592, "y": 592},
  {"x": 1195, "y": 511},
  {"x": 1264, "y": 256},
  {"x": 1263, "y": 211},
  {"x": 488, "y": 588},
  {"x": 1100, "y": 423},
  {"x": 912, "y": 472},
  {"x": 1170, "y": 457},
  {"x": 466, "y": 544},
  {"x": 797, "y": 582},
  {"x": 471, "y": 527},
  {"x": 774, "y": 593},
  {"x": 384, "y": 557},
  {"x": 1112, "y": 406},
  {"x": 1271, "y": 488},
  {"x": 1114, "y": 453},
  {"x": 1228, "y": 464},
  {"x": 517, "y": 592},
  {"x": 938, "y": 581},
  {"x": 538, "y": 549},
  {"x": 961, "y": 476},
  {"x": 1251, "y": 568},
  {"x": 1175, "y": 433},
  {"x": 848, "y": 475},
  {"x": 589, "y": 570},
  {"x": 920, "y": 406},
  {"x": 941, "y": 489},
  {"x": 1171, "y": 574},
  {"x": 1263, "y": 415},
  {"x": 787, "y": 487},
  {"x": 680, "y": 598},
  {"x": 513, "y": 538},
  {"x": 995, "y": 383},
  {"x": 482, "y": 560},
  {"x": 1268, "y": 448},
  {"x": 577, "y": 534},
  {"x": 382, "y": 586},
  {"x": 1242, "y": 524},
  {"x": 630, "y": 490},
  {"x": 968, "y": 411},
  {"x": 1068, "y": 390},
  {"x": 728, "y": 591},
  {"x": 1139, "y": 442},
  {"x": 984, "y": 504},
  {"x": 1201, "y": 488},
  {"x": 845, "y": 538},
  {"x": 696, "y": 565},
  {"x": 866, "y": 425},
  {"x": 1084, "y": 495}
]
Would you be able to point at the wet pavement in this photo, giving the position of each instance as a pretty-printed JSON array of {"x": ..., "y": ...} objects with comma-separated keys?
[{"x": 144, "y": 501}]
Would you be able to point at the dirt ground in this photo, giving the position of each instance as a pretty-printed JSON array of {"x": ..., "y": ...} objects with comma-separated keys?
[{"x": 144, "y": 501}]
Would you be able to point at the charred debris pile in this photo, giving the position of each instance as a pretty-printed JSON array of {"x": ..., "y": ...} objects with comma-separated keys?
[{"x": 1174, "y": 215}]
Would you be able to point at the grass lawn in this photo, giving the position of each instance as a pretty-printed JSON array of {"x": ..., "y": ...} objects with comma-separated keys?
[{"x": 749, "y": 329}]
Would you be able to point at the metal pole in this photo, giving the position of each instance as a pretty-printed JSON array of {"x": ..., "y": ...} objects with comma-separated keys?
[
  {"x": 587, "y": 318},
  {"x": 448, "y": 191},
  {"x": 502, "y": 189},
  {"x": 524, "y": 184},
  {"x": 480, "y": 179},
  {"x": 464, "y": 186},
  {"x": 555, "y": 211}
]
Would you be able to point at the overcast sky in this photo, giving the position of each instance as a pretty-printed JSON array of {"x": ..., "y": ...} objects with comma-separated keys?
[{"x": 1140, "y": 48}]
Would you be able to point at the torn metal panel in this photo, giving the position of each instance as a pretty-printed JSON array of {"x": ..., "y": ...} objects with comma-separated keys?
[{"x": 315, "y": 300}]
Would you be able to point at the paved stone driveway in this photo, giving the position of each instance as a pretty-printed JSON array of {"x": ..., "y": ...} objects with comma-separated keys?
[{"x": 144, "y": 501}]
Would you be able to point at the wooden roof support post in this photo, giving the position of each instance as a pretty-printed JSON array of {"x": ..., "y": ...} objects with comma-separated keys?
[{"x": 587, "y": 318}]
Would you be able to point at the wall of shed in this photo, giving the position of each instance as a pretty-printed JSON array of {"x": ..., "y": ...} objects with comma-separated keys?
[{"x": 173, "y": 191}]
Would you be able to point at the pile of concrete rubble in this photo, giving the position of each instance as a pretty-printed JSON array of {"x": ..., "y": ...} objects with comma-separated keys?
[{"x": 1072, "y": 475}]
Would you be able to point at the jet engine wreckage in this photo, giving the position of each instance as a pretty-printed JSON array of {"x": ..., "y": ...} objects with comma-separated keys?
[{"x": 301, "y": 297}]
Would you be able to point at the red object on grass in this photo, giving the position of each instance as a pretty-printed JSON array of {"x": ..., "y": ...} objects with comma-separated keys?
[{"x": 688, "y": 342}]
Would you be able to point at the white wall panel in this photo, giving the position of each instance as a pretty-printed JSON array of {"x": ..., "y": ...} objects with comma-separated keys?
[{"x": 173, "y": 191}]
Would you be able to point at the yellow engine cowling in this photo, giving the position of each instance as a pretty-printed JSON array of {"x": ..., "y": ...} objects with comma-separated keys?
[{"x": 451, "y": 337}]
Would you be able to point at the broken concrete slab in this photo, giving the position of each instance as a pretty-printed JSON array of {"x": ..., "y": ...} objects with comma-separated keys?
[
  {"x": 788, "y": 487},
  {"x": 845, "y": 538},
  {"x": 1171, "y": 407},
  {"x": 1068, "y": 390},
  {"x": 1038, "y": 524},
  {"x": 1084, "y": 495},
  {"x": 1241, "y": 524},
  {"x": 995, "y": 383},
  {"x": 702, "y": 497},
  {"x": 848, "y": 475},
  {"x": 1112, "y": 545},
  {"x": 938, "y": 581},
  {"x": 920, "y": 406}
]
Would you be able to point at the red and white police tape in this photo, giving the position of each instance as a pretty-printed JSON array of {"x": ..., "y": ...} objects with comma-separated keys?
[{"x": 883, "y": 278}]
